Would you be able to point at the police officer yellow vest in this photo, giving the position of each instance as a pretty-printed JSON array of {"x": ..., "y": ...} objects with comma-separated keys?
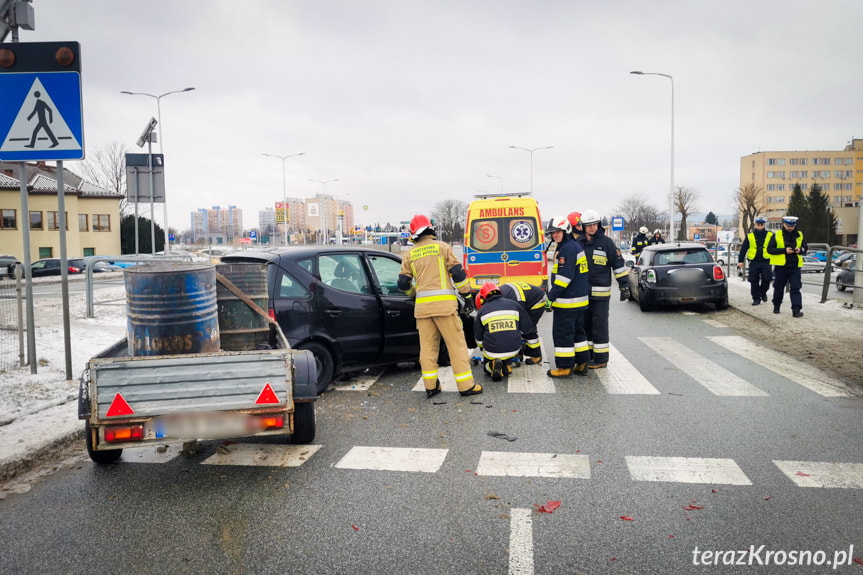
[
  {"x": 753, "y": 245},
  {"x": 779, "y": 260}
]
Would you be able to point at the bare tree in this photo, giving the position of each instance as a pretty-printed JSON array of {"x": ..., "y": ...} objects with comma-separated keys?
[
  {"x": 106, "y": 168},
  {"x": 685, "y": 203},
  {"x": 637, "y": 212},
  {"x": 449, "y": 216},
  {"x": 749, "y": 201}
]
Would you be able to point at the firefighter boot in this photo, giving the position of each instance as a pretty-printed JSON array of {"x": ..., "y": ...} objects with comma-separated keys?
[
  {"x": 477, "y": 388},
  {"x": 495, "y": 368},
  {"x": 507, "y": 368},
  {"x": 434, "y": 391},
  {"x": 533, "y": 360},
  {"x": 559, "y": 372},
  {"x": 580, "y": 369}
]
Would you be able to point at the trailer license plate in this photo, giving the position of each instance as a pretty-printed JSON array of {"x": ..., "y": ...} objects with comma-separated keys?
[{"x": 205, "y": 425}]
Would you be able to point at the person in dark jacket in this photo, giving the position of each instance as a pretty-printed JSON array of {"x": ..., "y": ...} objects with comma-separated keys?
[
  {"x": 603, "y": 262},
  {"x": 639, "y": 242},
  {"x": 499, "y": 327},
  {"x": 569, "y": 300},
  {"x": 533, "y": 299},
  {"x": 786, "y": 249},
  {"x": 656, "y": 238},
  {"x": 754, "y": 248}
]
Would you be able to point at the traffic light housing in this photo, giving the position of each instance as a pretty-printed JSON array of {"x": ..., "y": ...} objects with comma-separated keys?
[{"x": 40, "y": 57}]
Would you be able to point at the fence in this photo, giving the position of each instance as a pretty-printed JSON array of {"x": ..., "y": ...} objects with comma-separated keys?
[{"x": 11, "y": 322}]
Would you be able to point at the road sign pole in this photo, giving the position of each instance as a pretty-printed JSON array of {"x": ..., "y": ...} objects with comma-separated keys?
[{"x": 152, "y": 193}]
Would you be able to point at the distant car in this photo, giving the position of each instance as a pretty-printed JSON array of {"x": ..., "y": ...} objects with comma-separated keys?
[
  {"x": 839, "y": 261},
  {"x": 51, "y": 267},
  {"x": 98, "y": 267},
  {"x": 213, "y": 255},
  {"x": 812, "y": 264},
  {"x": 341, "y": 303},
  {"x": 724, "y": 256},
  {"x": 845, "y": 279},
  {"x": 678, "y": 273},
  {"x": 7, "y": 266}
]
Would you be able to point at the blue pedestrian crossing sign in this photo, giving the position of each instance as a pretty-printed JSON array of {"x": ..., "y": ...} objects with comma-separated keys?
[{"x": 41, "y": 108}]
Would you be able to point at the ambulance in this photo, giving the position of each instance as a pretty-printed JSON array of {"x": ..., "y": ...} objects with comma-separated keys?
[{"x": 504, "y": 241}]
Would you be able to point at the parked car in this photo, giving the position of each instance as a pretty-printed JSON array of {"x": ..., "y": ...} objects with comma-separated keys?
[
  {"x": 839, "y": 261},
  {"x": 341, "y": 303},
  {"x": 213, "y": 255},
  {"x": 51, "y": 267},
  {"x": 677, "y": 274},
  {"x": 7, "y": 266},
  {"x": 812, "y": 264},
  {"x": 724, "y": 256},
  {"x": 98, "y": 267},
  {"x": 845, "y": 279}
]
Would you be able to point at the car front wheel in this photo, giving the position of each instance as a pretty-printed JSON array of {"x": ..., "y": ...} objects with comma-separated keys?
[
  {"x": 840, "y": 285},
  {"x": 324, "y": 363}
]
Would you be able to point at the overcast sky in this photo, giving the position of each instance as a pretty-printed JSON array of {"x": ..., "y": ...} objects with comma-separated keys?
[{"x": 412, "y": 102}]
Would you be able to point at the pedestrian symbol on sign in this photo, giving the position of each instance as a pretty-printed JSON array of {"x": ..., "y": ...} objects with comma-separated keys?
[{"x": 39, "y": 125}]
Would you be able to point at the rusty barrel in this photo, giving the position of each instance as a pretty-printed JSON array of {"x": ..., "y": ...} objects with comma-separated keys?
[
  {"x": 171, "y": 308},
  {"x": 240, "y": 326}
]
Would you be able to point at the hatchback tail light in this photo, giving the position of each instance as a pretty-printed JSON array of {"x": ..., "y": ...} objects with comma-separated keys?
[
  {"x": 272, "y": 314},
  {"x": 718, "y": 274},
  {"x": 74, "y": 270}
]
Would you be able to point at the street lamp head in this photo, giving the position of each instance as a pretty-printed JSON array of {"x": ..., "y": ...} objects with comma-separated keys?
[
  {"x": 188, "y": 89},
  {"x": 127, "y": 92},
  {"x": 639, "y": 72}
]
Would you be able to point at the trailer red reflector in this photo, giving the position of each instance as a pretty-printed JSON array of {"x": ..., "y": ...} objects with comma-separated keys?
[
  {"x": 119, "y": 407},
  {"x": 267, "y": 395},
  {"x": 126, "y": 433}
]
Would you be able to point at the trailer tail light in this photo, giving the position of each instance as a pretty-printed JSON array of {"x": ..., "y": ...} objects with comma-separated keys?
[
  {"x": 272, "y": 422},
  {"x": 123, "y": 433},
  {"x": 718, "y": 274}
]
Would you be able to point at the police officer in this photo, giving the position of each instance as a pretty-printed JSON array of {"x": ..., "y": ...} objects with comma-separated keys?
[
  {"x": 754, "y": 249},
  {"x": 603, "y": 261},
  {"x": 786, "y": 248},
  {"x": 639, "y": 242},
  {"x": 435, "y": 270},
  {"x": 499, "y": 326},
  {"x": 533, "y": 300},
  {"x": 569, "y": 300}
]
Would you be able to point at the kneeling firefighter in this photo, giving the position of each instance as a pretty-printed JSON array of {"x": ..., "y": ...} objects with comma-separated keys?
[{"x": 499, "y": 327}]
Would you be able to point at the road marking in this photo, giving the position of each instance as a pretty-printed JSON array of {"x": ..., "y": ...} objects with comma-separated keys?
[
  {"x": 821, "y": 474},
  {"x": 446, "y": 378},
  {"x": 715, "y": 323},
  {"x": 262, "y": 455},
  {"x": 520, "y": 542},
  {"x": 686, "y": 470},
  {"x": 393, "y": 459},
  {"x": 507, "y": 464},
  {"x": 152, "y": 453},
  {"x": 714, "y": 377},
  {"x": 621, "y": 377},
  {"x": 531, "y": 378},
  {"x": 806, "y": 375},
  {"x": 360, "y": 382}
]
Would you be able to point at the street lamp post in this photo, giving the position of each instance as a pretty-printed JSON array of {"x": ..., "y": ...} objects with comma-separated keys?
[
  {"x": 499, "y": 178},
  {"x": 323, "y": 184},
  {"x": 671, "y": 190},
  {"x": 340, "y": 217},
  {"x": 531, "y": 151},
  {"x": 161, "y": 150},
  {"x": 284, "y": 190}
]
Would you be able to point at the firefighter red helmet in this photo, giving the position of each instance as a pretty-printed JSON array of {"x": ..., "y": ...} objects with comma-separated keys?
[
  {"x": 419, "y": 224},
  {"x": 486, "y": 290},
  {"x": 574, "y": 219}
]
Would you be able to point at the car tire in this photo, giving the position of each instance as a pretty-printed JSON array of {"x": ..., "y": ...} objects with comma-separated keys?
[
  {"x": 101, "y": 457},
  {"x": 721, "y": 304},
  {"x": 840, "y": 285},
  {"x": 720, "y": 262},
  {"x": 304, "y": 422},
  {"x": 642, "y": 300},
  {"x": 323, "y": 362}
]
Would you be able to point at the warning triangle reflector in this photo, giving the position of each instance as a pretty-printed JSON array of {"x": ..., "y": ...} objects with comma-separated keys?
[
  {"x": 267, "y": 395},
  {"x": 119, "y": 407}
]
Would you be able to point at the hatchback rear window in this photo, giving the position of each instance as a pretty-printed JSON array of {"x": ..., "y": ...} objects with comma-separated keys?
[{"x": 683, "y": 257}]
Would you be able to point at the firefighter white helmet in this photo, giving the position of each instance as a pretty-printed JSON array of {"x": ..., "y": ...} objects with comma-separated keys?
[
  {"x": 559, "y": 224},
  {"x": 643, "y": 230},
  {"x": 590, "y": 217}
]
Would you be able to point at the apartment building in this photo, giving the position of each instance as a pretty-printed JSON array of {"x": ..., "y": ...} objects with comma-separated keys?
[
  {"x": 217, "y": 225},
  {"x": 839, "y": 173}
]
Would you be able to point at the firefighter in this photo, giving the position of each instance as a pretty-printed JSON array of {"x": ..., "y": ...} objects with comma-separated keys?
[
  {"x": 533, "y": 300},
  {"x": 754, "y": 248},
  {"x": 639, "y": 242},
  {"x": 569, "y": 300},
  {"x": 603, "y": 261},
  {"x": 656, "y": 238},
  {"x": 786, "y": 249},
  {"x": 499, "y": 326},
  {"x": 575, "y": 221},
  {"x": 433, "y": 267}
]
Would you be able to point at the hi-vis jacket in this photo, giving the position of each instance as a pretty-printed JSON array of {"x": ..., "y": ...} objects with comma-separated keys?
[
  {"x": 533, "y": 297},
  {"x": 639, "y": 242},
  {"x": 568, "y": 278},
  {"x": 499, "y": 326},
  {"x": 754, "y": 247},
  {"x": 433, "y": 267},
  {"x": 603, "y": 260},
  {"x": 782, "y": 239}
]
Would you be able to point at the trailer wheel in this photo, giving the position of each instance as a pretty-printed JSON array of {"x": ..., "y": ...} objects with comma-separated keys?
[
  {"x": 106, "y": 456},
  {"x": 323, "y": 361},
  {"x": 304, "y": 423}
]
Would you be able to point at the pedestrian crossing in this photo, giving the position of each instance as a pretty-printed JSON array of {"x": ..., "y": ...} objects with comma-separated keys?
[
  {"x": 622, "y": 377},
  {"x": 575, "y": 466}
]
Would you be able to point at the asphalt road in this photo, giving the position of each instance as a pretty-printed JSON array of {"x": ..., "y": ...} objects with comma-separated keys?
[{"x": 691, "y": 441}]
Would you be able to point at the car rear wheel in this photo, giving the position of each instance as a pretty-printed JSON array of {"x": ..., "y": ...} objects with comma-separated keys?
[
  {"x": 323, "y": 362},
  {"x": 840, "y": 285},
  {"x": 106, "y": 456},
  {"x": 722, "y": 304}
]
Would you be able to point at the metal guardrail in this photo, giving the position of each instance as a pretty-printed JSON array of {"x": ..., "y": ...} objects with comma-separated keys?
[
  {"x": 129, "y": 259},
  {"x": 827, "y": 278}
]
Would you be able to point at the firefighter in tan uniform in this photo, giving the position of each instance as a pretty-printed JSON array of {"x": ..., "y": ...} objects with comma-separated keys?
[{"x": 437, "y": 274}]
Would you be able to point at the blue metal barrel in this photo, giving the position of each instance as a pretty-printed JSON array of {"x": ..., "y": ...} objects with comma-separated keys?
[
  {"x": 171, "y": 309},
  {"x": 240, "y": 327}
]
